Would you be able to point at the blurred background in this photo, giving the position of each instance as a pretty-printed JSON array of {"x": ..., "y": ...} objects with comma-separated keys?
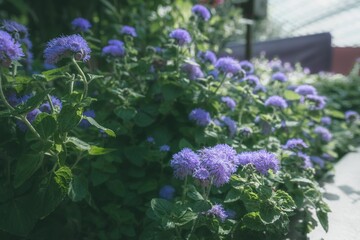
[{"x": 322, "y": 35}]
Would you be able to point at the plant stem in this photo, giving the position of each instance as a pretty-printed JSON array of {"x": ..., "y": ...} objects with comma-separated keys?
[
  {"x": 184, "y": 190},
  {"x": 221, "y": 83},
  {"x": 3, "y": 96},
  {"x": 241, "y": 110},
  {"x": 28, "y": 124},
  {"x": 82, "y": 76}
]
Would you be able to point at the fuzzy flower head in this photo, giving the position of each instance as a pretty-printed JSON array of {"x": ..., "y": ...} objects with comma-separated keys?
[
  {"x": 231, "y": 125},
  {"x": 279, "y": 76},
  {"x": 230, "y": 103},
  {"x": 181, "y": 36},
  {"x": 228, "y": 65},
  {"x": 262, "y": 160},
  {"x": 81, "y": 24},
  {"x": 164, "y": 148},
  {"x": 184, "y": 163},
  {"x": 150, "y": 139},
  {"x": 305, "y": 90},
  {"x": 31, "y": 117},
  {"x": 18, "y": 30},
  {"x": 214, "y": 73},
  {"x": 167, "y": 192},
  {"x": 207, "y": 56},
  {"x": 127, "y": 30},
  {"x": 10, "y": 50},
  {"x": 276, "y": 101},
  {"x": 115, "y": 48},
  {"x": 295, "y": 144},
  {"x": 323, "y": 133},
  {"x": 56, "y": 103},
  {"x": 326, "y": 120},
  {"x": 247, "y": 66},
  {"x": 220, "y": 162},
  {"x": 218, "y": 211},
  {"x": 200, "y": 116},
  {"x": 307, "y": 162},
  {"x": 201, "y": 11},
  {"x": 252, "y": 80},
  {"x": 84, "y": 123},
  {"x": 317, "y": 102},
  {"x": 193, "y": 71},
  {"x": 351, "y": 116},
  {"x": 317, "y": 160},
  {"x": 67, "y": 46}
]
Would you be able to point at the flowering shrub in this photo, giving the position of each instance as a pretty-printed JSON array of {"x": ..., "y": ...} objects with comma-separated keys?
[{"x": 195, "y": 146}]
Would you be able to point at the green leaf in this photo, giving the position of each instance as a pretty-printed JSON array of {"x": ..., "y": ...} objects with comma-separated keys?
[
  {"x": 193, "y": 193},
  {"x": 284, "y": 201},
  {"x": 302, "y": 180},
  {"x": 253, "y": 221},
  {"x": 232, "y": 196},
  {"x": 45, "y": 125},
  {"x": 323, "y": 218},
  {"x": 53, "y": 74},
  {"x": 33, "y": 102},
  {"x": 161, "y": 207},
  {"x": 94, "y": 150},
  {"x": 268, "y": 212},
  {"x": 81, "y": 145},
  {"x": 95, "y": 124},
  {"x": 184, "y": 144},
  {"x": 93, "y": 76},
  {"x": 125, "y": 113},
  {"x": 63, "y": 177},
  {"x": 143, "y": 119},
  {"x": 335, "y": 113},
  {"x": 69, "y": 118},
  {"x": 78, "y": 188},
  {"x": 26, "y": 166},
  {"x": 171, "y": 92},
  {"x": 148, "y": 186},
  {"x": 292, "y": 96}
]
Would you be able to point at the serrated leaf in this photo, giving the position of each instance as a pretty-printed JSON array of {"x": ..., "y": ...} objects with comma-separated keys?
[
  {"x": 45, "y": 125},
  {"x": 55, "y": 73},
  {"x": 125, "y": 113},
  {"x": 284, "y": 201},
  {"x": 94, "y": 150},
  {"x": 33, "y": 102},
  {"x": 63, "y": 177},
  {"x": 335, "y": 113},
  {"x": 69, "y": 118},
  {"x": 81, "y": 145},
  {"x": 323, "y": 219},
  {"x": 193, "y": 193},
  {"x": 253, "y": 221},
  {"x": 26, "y": 166},
  {"x": 95, "y": 124},
  {"x": 78, "y": 188},
  {"x": 161, "y": 207},
  {"x": 232, "y": 196}
]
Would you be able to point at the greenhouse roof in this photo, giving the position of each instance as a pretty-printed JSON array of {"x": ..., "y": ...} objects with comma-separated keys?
[{"x": 302, "y": 17}]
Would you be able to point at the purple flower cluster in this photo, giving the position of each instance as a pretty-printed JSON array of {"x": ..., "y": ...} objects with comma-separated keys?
[
  {"x": 318, "y": 102},
  {"x": 262, "y": 160},
  {"x": 164, "y": 148},
  {"x": 214, "y": 73},
  {"x": 201, "y": 12},
  {"x": 228, "y": 65},
  {"x": 319, "y": 161},
  {"x": 231, "y": 125},
  {"x": 214, "y": 164},
  {"x": 167, "y": 192},
  {"x": 305, "y": 90},
  {"x": 323, "y": 133},
  {"x": 127, "y": 30},
  {"x": 279, "y": 76},
  {"x": 305, "y": 158},
  {"x": 351, "y": 116},
  {"x": 84, "y": 123},
  {"x": 31, "y": 117},
  {"x": 276, "y": 101},
  {"x": 56, "y": 103},
  {"x": 247, "y": 66},
  {"x": 200, "y": 116},
  {"x": 18, "y": 30},
  {"x": 10, "y": 50},
  {"x": 295, "y": 144},
  {"x": 218, "y": 211},
  {"x": 207, "y": 56},
  {"x": 229, "y": 102},
  {"x": 245, "y": 131},
  {"x": 185, "y": 163},
  {"x": 150, "y": 139},
  {"x": 181, "y": 36},
  {"x": 326, "y": 120},
  {"x": 81, "y": 24},
  {"x": 115, "y": 48},
  {"x": 193, "y": 71},
  {"x": 67, "y": 46},
  {"x": 252, "y": 80}
]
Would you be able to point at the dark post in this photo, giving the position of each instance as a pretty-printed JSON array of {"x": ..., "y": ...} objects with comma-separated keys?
[{"x": 248, "y": 45}]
